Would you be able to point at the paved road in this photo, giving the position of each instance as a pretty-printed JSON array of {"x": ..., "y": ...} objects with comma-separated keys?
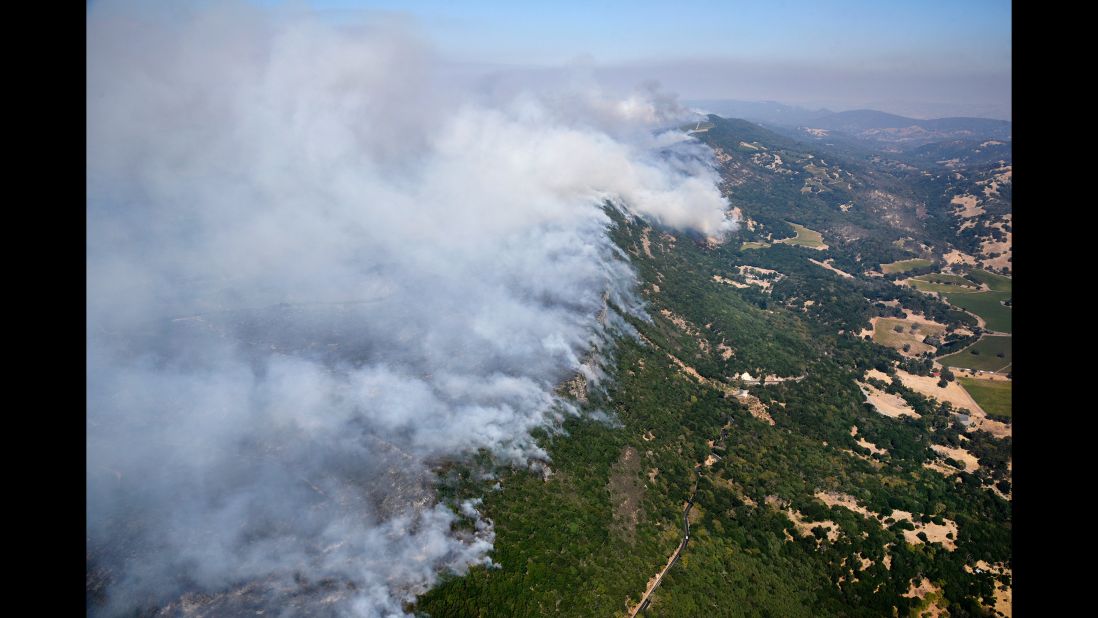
[{"x": 674, "y": 557}]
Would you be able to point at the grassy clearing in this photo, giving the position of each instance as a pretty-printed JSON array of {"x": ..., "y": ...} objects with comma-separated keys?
[
  {"x": 805, "y": 238},
  {"x": 986, "y": 357},
  {"x": 754, "y": 245},
  {"x": 912, "y": 334},
  {"x": 905, "y": 265},
  {"x": 993, "y": 396}
]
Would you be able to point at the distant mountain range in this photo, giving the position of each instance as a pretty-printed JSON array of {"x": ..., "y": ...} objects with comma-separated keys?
[
  {"x": 867, "y": 126},
  {"x": 867, "y": 122},
  {"x": 765, "y": 112}
]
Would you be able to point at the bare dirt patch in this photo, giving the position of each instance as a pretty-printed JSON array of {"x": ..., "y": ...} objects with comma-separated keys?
[
  {"x": 760, "y": 277},
  {"x": 965, "y": 458},
  {"x": 827, "y": 264},
  {"x": 725, "y": 351},
  {"x": 731, "y": 282},
  {"x": 755, "y": 407},
  {"x": 737, "y": 214},
  {"x": 738, "y": 490},
  {"x": 832, "y": 498},
  {"x": 944, "y": 533},
  {"x": 958, "y": 257},
  {"x": 961, "y": 400},
  {"x": 996, "y": 428},
  {"x": 680, "y": 322},
  {"x": 1003, "y": 248},
  {"x": 911, "y": 332},
  {"x": 991, "y": 185},
  {"x": 939, "y": 467},
  {"x": 687, "y": 328},
  {"x": 755, "y": 276},
  {"x": 919, "y": 318},
  {"x": 969, "y": 206},
  {"x": 775, "y": 379},
  {"x": 890, "y": 405},
  {"x": 931, "y": 597},
  {"x": 872, "y": 448},
  {"x": 646, "y": 242},
  {"x": 688, "y": 370},
  {"x": 971, "y": 373},
  {"x": 953, "y": 392},
  {"x": 877, "y": 374},
  {"x": 1001, "y": 601},
  {"x": 935, "y": 533},
  {"x": 804, "y": 526}
]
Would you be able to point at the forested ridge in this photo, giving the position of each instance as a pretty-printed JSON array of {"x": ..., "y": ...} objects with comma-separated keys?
[{"x": 560, "y": 548}]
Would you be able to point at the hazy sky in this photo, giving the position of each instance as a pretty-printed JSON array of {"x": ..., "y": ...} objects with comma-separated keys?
[{"x": 921, "y": 58}]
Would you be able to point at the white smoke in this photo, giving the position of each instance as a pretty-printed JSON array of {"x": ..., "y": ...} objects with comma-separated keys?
[{"x": 313, "y": 271}]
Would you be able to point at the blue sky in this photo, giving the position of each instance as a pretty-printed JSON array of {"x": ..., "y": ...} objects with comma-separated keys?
[
  {"x": 964, "y": 32},
  {"x": 945, "y": 53}
]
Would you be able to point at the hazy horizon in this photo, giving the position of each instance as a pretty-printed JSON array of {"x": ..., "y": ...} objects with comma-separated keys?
[{"x": 923, "y": 60}]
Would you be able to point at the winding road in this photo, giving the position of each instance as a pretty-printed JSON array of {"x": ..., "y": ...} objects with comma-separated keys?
[
  {"x": 647, "y": 598},
  {"x": 655, "y": 583}
]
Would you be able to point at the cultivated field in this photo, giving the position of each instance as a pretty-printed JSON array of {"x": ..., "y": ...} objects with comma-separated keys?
[
  {"x": 805, "y": 238},
  {"x": 947, "y": 279},
  {"x": 983, "y": 355},
  {"x": 998, "y": 283},
  {"x": 994, "y": 396},
  {"x": 905, "y": 265},
  {"x": 985, "y": 302},
  {"x": 987, "y": 305},
  {"x": 940, "y": 287}
]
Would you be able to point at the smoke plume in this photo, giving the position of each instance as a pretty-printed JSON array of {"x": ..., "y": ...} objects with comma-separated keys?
[{"x": 316, "y": 270}]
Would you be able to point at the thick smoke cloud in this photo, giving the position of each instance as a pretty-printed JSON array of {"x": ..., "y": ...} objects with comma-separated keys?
[{"x": 314, "y": 272}]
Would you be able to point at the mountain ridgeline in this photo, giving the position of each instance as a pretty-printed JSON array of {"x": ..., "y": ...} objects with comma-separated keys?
[{"x": 827, "y": 463}]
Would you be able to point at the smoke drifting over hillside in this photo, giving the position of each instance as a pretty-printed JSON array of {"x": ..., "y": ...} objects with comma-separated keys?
[{"x": 313, "y": 273}]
